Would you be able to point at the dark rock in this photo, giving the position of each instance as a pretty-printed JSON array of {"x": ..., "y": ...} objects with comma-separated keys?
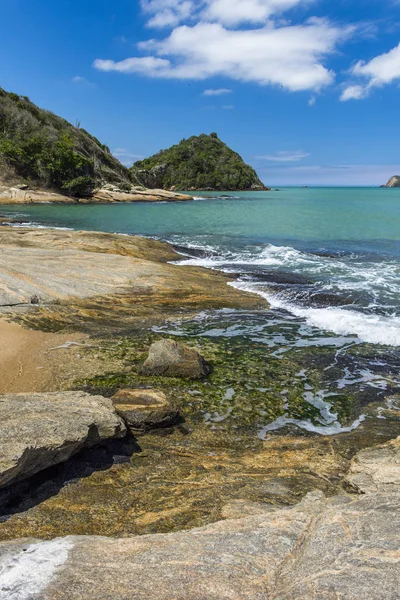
[
  {"x": 145, "y": 409},
  {"x": 168, "y": 358}
]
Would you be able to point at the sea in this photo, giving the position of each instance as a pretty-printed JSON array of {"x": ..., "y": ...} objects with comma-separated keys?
[{"x": 326, "y": 259}]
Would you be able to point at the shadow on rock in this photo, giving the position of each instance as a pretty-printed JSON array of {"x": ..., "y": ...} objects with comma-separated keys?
[{"x": 29, "y": 493}]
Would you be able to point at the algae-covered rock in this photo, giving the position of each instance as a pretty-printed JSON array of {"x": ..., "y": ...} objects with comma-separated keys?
[
  {"x": 168, "y": 358},
  {"x": 38, "y": 431},
  {"x": 145, "y": 409}
]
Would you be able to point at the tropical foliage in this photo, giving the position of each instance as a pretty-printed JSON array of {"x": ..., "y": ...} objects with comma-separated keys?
[
  {"x": 198, "y": 163},
  {"x": 41, "y": 148}
]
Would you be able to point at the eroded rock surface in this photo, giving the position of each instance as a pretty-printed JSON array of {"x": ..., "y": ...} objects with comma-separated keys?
[
  {"x": 41, "y": 430},
  {"x": 168, "y": 358},
  {"x": 343, "y": 547}
]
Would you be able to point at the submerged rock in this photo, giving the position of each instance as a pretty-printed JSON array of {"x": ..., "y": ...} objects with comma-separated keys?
[
  {"x": 342, "y": 547},
  {"x": 145, "y": 409},
  {"x": 38, "y": 431},
  {"x": 168, "y": 358}
]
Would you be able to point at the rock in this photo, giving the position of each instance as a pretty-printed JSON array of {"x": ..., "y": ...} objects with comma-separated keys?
[
  {"x": 168, "y": 358},
  {"x": 377, "y": 469},
  {"x": 145, "y": 409},
  {"x": 21, "y": 195},
  {"x": 320, "y": 549},
  {"x": 41, "y": 430},
  {"x": 136, "y": 195},
  {"x": 393, "y": 181}
]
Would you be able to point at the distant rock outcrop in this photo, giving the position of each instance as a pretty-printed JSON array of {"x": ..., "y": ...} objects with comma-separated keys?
[
  {"x": 393, "y": 181},
  {"x": 198, "y": 163}
]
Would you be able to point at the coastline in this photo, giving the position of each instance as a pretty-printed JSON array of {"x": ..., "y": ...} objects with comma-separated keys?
[{"x": 104, "y": 298}]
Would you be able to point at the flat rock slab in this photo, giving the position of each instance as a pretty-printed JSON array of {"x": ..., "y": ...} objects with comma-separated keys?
[
  {"x": 60, "y": 274},
  {"x": 38, "y": 431},
  {"x": 319, "y": 550}
]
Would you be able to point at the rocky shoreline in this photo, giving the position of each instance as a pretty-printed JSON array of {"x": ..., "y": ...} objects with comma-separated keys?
[
  {"x": 22, "y": 194},
  {"x": 133, "y": 441}
]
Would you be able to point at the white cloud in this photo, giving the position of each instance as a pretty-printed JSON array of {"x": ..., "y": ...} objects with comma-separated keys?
[
  {"x": 170, "y": 13},
  {"x": 339, "y": 174},
  {"x": 167, "y": 13},
  {"x": 228, "y": 107},
  {"x": 287, "y": 56},
  {"x": 285, "y": 156},
  {"x": 218, "y": 92},
  {"x": 125, "y": 157},
  {"x": 234, "y": 12},
  {"x": 381, "y": 70},
  {"x": 312, "y": 101}
]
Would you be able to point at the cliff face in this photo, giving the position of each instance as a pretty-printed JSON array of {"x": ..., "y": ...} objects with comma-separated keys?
[
  {"x": 394, "y": 181},
  {"x": 41, "y": 149},
  {"x": 198, "y": 163}
]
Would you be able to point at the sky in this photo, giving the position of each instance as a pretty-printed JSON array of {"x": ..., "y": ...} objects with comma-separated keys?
[{"x": 307, "y": 91}]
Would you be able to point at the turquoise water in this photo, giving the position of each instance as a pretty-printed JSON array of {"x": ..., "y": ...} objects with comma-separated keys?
[
  {"x": 339, "y": 217},
  {"x": 327, "y": 260}
]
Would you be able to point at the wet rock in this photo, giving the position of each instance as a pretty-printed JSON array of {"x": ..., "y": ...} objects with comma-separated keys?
[
  {"x": 195, "y": 252},
  {"x": 145, "y": 409},
  {"x": 168, "y": 358},
  {"x": 338, "y": 548},
  {"x": 41, "y": 430}
]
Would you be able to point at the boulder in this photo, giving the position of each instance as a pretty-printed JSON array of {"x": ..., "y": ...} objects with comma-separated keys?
[
  {"x": 38, "y": 431},
  {"x": 145, "y": 409},
  {"x": 168, "y": 358}
]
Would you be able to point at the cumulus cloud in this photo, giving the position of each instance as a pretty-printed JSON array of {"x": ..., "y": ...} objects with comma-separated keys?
[
  {"x": 381, "y": 70},
  {"x": 289, "y": 56},
  {"x": 218, "y": 92},
  {"x": 286, "y": 156}
]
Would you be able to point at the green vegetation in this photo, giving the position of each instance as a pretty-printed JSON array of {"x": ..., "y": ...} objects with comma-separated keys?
[
  {"x": 40, "y": 148},
  {"x": 199, "y": 163}
]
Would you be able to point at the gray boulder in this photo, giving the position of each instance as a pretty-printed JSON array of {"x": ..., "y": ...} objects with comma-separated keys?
[
  {"x": 168, "y": 358},
  {"x": 145, "y": 409},
  {"x": 38, "y": 431}
]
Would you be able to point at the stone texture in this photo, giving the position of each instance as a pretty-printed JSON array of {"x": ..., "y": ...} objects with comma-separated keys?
[
  {"x": 41, "y": 430},
  {"x": 377, "y": 469},
  {"x": 168, "y": 358},
  {"x": 145, "y": 409},
  {"x": 321, "y": 549},
  {"x": 136, "y": 195},
  {"x": 344, "y": 547},
  {"x": 21, "y": 195}
]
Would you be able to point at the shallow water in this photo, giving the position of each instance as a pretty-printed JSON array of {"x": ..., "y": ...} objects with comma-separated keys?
[{"x": 327, "y": 260}]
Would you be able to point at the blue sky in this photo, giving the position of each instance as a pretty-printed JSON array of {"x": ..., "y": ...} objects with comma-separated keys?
[{"x": 306, "y": 91}]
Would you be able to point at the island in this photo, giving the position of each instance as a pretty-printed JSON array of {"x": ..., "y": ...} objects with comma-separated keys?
[{"x": 200, "y": 163}]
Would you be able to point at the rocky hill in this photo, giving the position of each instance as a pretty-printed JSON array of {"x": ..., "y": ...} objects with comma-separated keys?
[
  {"x": 201, "y": 162},
  {"x": 393, "y": 181},
  {"x": 41, "y": 149}
]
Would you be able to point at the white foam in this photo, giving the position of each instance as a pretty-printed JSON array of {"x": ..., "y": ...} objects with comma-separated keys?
[
  {"x": 333, "y": 429},
  {"x": 26, "y": 574},
  {"x": 370, "y": 328}
]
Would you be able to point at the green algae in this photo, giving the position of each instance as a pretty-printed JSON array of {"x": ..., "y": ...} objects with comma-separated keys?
[{"x": 249, "y": 387}]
